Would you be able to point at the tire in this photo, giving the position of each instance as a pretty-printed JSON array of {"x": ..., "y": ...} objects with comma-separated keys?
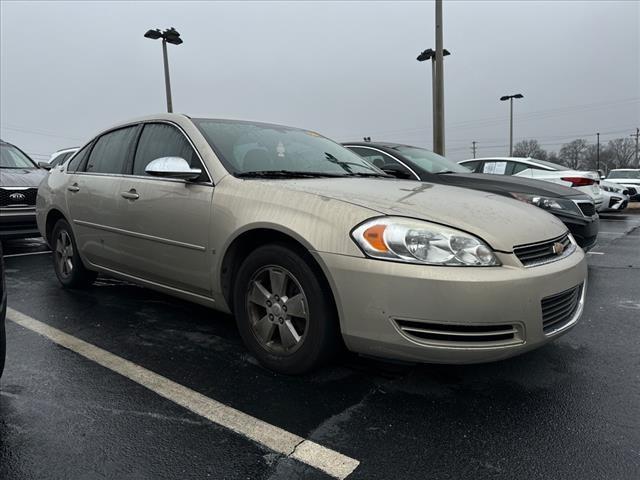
[
  {"x": 67, "y": 263},
  {"x": 291, "y": 329}
]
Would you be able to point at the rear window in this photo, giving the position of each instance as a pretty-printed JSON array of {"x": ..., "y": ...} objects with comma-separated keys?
[
  {"x": 633, "y": 174},
  {"x": 111, "y": 151}
]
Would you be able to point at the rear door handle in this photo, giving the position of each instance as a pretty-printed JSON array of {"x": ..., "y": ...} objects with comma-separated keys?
[
  {"x": 130, "y": 195},
  {"x": 73, "y": 188}
]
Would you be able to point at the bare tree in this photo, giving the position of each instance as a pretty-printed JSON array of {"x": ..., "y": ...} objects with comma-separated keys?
[
  {"x": 529, "y": 148},
  {"x": 622, "y": 152},
  {"x": 572, "y": 153}
]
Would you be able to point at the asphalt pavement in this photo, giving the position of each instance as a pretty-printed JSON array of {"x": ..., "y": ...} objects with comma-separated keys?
[{"x": 178, "y": 396}]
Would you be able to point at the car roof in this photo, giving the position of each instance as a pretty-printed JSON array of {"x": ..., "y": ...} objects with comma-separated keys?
[
  {"x": 513, "y": 159},
  {"x": 624, "y": 169}
]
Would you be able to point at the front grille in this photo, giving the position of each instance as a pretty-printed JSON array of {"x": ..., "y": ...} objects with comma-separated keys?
[
  {"x": 21, "y": 197},
  {"x": 587, "y": 209},
  {"x": 613, "y": 201},
  {"x": 445, "y": 334},
  {"x": 558, "y": 309},
  {"x": 631, "y": 191},
  {"x": 544, "y": 252}
]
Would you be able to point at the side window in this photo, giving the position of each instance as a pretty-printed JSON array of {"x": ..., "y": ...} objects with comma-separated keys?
[
  {"x": 78, "y": 161},
  {"x": 59, "y": 159},
  {"x": 373, "y": 156},
  {"x": 161, "y": 140},
  {"x": 496, "y": 168},
  {"x": 111, "y": 151},
  {"x": 519, "y": 167},
  {"x": 473, "y": 166}
]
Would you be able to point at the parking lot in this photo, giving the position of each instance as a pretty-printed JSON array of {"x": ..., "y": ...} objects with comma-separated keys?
[{"x": 130, "y": 383}]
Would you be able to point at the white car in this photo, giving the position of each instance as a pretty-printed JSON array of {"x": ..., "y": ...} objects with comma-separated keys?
[
  {"x": 59, "y": 157},
  {"x": 629, "y": 177},
  {"x": 616, "y": 197},
  {"x": 584, "y": 181}
]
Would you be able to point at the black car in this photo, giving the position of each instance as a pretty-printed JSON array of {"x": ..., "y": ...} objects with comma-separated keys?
[
  {"x": 19, "y": 180},
  {"x": 573, "y": 207},
  {"x": 3, "y": 312}
]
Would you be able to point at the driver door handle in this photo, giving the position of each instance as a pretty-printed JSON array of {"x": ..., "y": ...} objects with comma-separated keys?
[
  {"x": 131, "y": 194},
  {"x": 73, "y": 188}
]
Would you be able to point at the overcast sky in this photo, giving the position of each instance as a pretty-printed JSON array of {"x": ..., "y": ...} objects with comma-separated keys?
[{"x": 345, "y": 69}]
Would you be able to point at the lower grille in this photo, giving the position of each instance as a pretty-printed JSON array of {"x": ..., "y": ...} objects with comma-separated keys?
[
  {"x": 587, "y": 209},
  {"x": 559, "y": 309},
  {"x": 14, "y": 197},
  {"x": 444, "y": 334},
  {"x": 544, "y": 252}
]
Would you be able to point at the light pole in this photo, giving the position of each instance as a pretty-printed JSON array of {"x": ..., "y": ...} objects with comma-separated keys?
[
  {"x": 598, "y": 153},
  {"x": 430, "y": 54},
  {"x": 170, "y": 35},
  {"x": 510, "y": 98}
]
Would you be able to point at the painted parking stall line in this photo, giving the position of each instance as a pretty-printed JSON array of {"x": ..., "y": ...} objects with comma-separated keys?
[
  {"x": 329, "y": 461},
  {"x": 25, "y": 254}
]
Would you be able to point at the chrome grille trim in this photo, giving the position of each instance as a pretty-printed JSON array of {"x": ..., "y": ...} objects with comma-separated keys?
[
  {"x": 541, "y": 253},
  {"x": 460, "y": 335},
  {"x": 562, "y": 310}
]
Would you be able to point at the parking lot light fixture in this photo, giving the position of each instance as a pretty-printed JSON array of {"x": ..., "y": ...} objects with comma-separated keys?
[
  {"x": 510, "y": 98},
  {"x": 430, "y": 54},
  {"x": 172, "y": 36}
]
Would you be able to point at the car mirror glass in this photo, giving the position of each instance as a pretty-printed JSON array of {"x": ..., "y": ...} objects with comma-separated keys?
[{"x": 45, "y": 165}]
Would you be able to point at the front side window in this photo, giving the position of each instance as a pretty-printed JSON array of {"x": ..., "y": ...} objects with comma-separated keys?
[
  {"x": 111, "y": 151},
  {"x": 473, "y": 165},
  {"x": 60, "y": 159},
  {"x": 430, "y": 161},
  {"x": 379, "y": 159},
  {"x": 12, "y": 157},
  {"x": 246, "y": 148},
  {"x": 162, "y": 140}
]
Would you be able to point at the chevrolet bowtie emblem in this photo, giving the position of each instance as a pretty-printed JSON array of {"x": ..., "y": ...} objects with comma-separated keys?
[{"x": 558, "y": 248}]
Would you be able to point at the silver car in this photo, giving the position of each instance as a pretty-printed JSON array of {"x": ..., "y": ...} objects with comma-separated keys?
[{"x": 309, "y": 246}]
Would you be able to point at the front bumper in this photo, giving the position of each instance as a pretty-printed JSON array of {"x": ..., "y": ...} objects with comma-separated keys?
[
  {"x": 583, "y": 229},
  {"x": 375, "y": 298},
  {"x": 18, "y": 223}
]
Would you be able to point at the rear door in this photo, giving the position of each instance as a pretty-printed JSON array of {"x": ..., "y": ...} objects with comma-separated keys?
[
  {"x": 93, "y": 194},
  {"x": 167, "y": 220}
]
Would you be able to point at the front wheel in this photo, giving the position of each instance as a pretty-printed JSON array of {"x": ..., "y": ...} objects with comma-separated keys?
[
  {"x": 67, "y": 263},
  {"x": 285, "y": 316}
]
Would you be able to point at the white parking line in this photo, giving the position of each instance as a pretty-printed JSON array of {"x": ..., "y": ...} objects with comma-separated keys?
[
  {"x": 334, "y": 463},
  {"x": 25, "y": 254},
  {"x": 595, "y": 253}
]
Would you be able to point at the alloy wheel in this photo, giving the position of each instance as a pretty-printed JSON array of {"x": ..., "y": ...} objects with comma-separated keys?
[
  {"x": 278, "y": 310},
  {"x": 64, "y": 254}
]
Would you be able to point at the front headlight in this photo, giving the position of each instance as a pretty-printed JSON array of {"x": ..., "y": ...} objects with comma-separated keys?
[
  {"x": 548, "y": 203},
  {"x": 416, "y": 241}
]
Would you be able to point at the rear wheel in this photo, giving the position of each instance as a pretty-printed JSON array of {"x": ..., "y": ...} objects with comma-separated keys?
[
  {"x": 67, "y": 264},
  {"x": 284, "y": 315}
]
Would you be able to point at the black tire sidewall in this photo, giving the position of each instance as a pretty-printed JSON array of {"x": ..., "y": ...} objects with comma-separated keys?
[
  {"x": 80, "y": 276},
  {"x": 321, "y": 340}
]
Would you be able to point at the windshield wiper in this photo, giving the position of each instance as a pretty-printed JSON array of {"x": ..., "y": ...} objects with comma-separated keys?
[
  {"x": 285, "y": 174},
  {"x": 369, "y": 174}
]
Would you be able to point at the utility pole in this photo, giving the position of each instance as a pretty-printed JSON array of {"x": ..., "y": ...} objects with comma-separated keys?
[
  {"x": 598, "y": 153},
  {"x": 438, "y": 106},
  {"x": 637, "y": 134},
  {"x": 474, "y": 148}
]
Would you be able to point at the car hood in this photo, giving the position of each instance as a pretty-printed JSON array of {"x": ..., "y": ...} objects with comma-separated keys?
[
  {"x": 19, "y": 177},
  {"x": 500, "y": 221},
  {"x": 504, "y": 185}
]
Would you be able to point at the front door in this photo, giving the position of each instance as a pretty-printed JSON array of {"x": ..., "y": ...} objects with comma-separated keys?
[{"x": 167, "y": 220}]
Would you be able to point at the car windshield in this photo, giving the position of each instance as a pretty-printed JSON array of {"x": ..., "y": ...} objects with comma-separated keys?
[
  {"x": 271, "y": 150},
  {"x": 11, "y": 157},
  {"x": 429, "y": 161},
  {"x": 635, "y": 174}
]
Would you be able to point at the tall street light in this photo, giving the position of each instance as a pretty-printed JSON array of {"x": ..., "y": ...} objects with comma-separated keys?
[
  {"x": 170, "y": 35},
  {"x": 430, "y": 54},
  {"x": 510, "y": 98}
]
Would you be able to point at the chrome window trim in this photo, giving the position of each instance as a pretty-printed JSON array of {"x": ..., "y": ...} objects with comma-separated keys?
[
  {"x": 134, "y": 124},
  {"x": 386, "y": 153},
  {"x": 144, "y": 236}
]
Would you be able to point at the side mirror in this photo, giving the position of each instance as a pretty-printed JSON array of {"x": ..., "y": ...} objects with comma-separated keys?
[
  {"x": 45, "y": 165},
  {"x": 172, "y": 167},
  {"x": 396, "y": 170}
]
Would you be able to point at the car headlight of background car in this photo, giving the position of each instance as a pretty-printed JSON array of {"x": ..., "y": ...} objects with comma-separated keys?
[
  {"x": 417, "y": 241},
  {"x": 549, "y": 203},
  {"x": 607, "y": 188}
]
